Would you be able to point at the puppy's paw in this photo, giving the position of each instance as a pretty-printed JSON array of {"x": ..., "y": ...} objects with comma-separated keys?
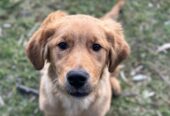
[{"x": 116, "y": 88}]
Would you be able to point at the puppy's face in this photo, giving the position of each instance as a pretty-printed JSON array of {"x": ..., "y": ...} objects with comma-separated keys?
[
  {"x": 78, "y": 49},
  {"x": 78, "y": 52}
]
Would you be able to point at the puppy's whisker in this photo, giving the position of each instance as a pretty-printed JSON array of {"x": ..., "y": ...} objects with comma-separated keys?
[
  {"x": 55, "y": 80},
  {"x": 54, "y": 88},
  {"x": 54, "y": 85}
]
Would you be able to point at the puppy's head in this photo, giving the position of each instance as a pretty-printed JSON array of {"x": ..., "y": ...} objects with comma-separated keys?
[{"x": 78, "y": 48}]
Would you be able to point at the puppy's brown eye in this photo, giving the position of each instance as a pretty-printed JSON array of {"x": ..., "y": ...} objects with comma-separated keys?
[
  {"x": 96, "y": 47},
  {"x": 63, "y": 45}
]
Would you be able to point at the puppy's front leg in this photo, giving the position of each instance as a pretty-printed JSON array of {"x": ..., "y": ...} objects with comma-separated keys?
[{"x": 116, "y": 88}]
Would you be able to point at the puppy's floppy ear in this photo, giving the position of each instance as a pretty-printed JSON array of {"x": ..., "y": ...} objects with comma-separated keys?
[
  {"x": 119, "y": 49},
  {"x": 36, "y": 49}
]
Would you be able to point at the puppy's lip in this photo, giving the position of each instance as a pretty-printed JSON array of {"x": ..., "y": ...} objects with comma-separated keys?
[{"x": 79, "y": 94}]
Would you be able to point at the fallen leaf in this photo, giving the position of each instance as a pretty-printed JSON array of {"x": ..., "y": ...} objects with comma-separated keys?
[
  {"x": 139, "y": 77},
  {"x": 148, "y": 94},
  {"x": 164, "y": 47}
]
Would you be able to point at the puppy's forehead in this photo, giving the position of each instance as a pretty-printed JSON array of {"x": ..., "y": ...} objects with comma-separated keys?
[
  {"x": 81, "y": 20},
  {"x": 80, "y": 25}
]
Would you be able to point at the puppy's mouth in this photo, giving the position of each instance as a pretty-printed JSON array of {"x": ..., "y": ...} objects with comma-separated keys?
[{"x": 80, "y": 92}]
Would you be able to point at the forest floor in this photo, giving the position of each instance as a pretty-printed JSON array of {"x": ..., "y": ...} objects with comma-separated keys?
[{"x": 145, "y": 77}]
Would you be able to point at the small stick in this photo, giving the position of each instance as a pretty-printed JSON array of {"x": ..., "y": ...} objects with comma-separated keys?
[{"x": 26, "y": 90}]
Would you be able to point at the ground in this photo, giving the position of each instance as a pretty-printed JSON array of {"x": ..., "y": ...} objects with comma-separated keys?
[{"x": 145, "y": 76}]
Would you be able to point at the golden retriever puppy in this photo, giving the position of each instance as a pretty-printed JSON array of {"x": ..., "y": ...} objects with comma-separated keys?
[{"x": 78, "y": 55}]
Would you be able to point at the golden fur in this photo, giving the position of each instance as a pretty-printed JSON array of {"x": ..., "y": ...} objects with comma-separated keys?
[{"x": 80, "y": 32}]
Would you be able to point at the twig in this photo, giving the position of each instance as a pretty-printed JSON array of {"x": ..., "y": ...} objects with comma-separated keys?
[
  {"x": 123, "y": 77},
  {"x": 26, "y": 90},
  {"x": 162, "y": 77},
  {"x": 0, "y": 32},
  {"x": 1, "y": 102},
  {"x": 33, "y": 29}
]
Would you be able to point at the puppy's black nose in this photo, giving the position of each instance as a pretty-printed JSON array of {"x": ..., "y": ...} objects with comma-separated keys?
[{"x": 77, "y": 78}]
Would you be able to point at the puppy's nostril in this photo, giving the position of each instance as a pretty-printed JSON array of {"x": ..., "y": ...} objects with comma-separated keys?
[
  {"x": 77, "y": 78},
  {"x": 77, "y": 81}
]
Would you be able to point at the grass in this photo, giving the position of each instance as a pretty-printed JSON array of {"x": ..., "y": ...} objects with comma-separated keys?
[{"x": 146, "y": 25}]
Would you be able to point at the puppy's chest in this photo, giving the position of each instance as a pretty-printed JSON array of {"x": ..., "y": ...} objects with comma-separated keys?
[{"x": 75, "y": 107}]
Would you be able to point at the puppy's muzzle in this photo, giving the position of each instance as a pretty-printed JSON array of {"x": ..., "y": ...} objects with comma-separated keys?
[
  {"x": 77, "y": 83},
  {"x": 77, "y": 78}
]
